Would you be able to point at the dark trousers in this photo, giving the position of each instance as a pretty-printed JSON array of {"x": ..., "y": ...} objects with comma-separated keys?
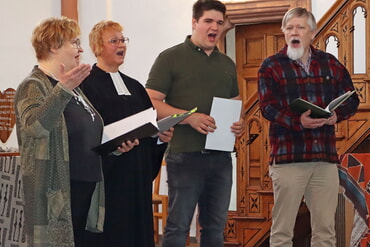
[
  {"x": 203, "y": 178},
  {"x": 81, "y": 193}
]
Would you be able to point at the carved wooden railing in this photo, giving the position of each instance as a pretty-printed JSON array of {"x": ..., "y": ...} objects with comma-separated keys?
[{"x": 249, "y": 225}]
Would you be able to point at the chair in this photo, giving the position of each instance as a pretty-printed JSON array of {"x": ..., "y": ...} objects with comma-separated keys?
[{"x": 158, "y": 200}]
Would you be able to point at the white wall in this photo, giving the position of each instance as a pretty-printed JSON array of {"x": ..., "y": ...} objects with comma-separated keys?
[
  {"x": 152, "y": 26},
  {"x": 18, "y": 19},
  {"x": 319, "y": 7}
]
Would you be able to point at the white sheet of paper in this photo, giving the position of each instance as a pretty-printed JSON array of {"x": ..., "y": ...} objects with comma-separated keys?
[{"x": 225, "y": 112}]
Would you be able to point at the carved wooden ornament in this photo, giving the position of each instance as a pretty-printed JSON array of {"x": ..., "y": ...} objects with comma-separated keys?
[{"x": 7, "y": 113}]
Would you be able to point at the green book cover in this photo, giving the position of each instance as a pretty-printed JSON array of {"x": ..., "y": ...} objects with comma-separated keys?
[{"x": 300, "y": 105}]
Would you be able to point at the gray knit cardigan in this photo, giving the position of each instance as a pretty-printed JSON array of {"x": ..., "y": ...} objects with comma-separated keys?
[{"x": 43, "y": 145}]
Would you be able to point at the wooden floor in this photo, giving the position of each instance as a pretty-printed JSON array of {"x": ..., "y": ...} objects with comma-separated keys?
[{"x": 193, "y": 242}]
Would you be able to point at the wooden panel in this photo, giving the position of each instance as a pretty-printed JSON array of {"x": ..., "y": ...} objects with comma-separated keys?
[
  {"x": 253, "y": 52},
  {"x": 253, "y": 43},
  {"x": 250, "y": 86}
]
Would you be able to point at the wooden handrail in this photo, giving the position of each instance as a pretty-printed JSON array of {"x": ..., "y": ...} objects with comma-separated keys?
[{"x": 3, "y": 154}]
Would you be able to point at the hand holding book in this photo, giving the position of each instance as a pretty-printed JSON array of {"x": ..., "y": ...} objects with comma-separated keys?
[
  {"x": 137, "y": 126},
  {"x": 300, "y": 105}
]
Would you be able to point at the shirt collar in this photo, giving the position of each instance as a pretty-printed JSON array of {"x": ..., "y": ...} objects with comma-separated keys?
[
  {"x": 306, "y": 66},
  {"x": 195, "y": 47}
]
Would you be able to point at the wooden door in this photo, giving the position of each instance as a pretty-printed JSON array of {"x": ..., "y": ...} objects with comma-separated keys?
[{"x": 253, "y": 44}]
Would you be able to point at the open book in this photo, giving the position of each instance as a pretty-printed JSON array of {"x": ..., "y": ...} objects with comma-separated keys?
[
  {"x": 136, "y": 126},
  {"x": 301, "y": 105}
]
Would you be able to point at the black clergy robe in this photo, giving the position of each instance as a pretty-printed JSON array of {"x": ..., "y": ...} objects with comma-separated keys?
[{"x": 128, "y": 177}]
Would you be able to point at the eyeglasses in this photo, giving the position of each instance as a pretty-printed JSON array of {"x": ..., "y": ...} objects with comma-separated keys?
[
  {"x": 76, "y": 43},
  {"x": 115, "y": 42}
]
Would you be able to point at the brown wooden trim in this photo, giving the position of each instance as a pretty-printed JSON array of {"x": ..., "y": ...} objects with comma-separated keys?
[
  {"x": 70, "y": 9},
  {"x": 257, "y": 11},
  {"x": 3, "y": 154}
]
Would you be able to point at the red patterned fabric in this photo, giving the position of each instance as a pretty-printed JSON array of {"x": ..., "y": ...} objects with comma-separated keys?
[{"x": 354, "y": 173}]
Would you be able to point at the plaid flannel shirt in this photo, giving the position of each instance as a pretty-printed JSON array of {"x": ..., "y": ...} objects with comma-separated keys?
[{"x": 280, "y": 81}]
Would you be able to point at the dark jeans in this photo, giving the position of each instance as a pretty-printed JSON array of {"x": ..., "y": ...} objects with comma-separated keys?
[
  {"x": 203, "y": 179},
  {"x": 81, "y": 193}
]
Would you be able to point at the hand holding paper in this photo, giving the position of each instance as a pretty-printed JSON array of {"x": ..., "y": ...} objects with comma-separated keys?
[
  {"x": 166, "y": 135},
  {"x": 225, "y": 112}
]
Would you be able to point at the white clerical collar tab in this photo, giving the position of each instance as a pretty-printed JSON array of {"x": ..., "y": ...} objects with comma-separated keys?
[{"x": 119, "y": 84}]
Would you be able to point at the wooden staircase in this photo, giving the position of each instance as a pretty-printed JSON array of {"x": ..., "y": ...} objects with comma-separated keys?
[{"x": 249, "y": 224}]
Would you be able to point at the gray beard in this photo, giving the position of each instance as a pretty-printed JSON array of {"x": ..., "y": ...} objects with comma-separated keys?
[{"x": 295, "y": 53}]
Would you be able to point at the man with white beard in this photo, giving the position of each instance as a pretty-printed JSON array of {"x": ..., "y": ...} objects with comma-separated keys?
[{"x": 303, "y": 159}]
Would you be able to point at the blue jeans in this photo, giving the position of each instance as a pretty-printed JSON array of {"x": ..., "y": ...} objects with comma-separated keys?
[{"x": 203, "y": 179}]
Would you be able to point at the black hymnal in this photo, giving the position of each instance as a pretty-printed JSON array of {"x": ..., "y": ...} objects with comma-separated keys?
[{"x": 137, "y": 126}]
